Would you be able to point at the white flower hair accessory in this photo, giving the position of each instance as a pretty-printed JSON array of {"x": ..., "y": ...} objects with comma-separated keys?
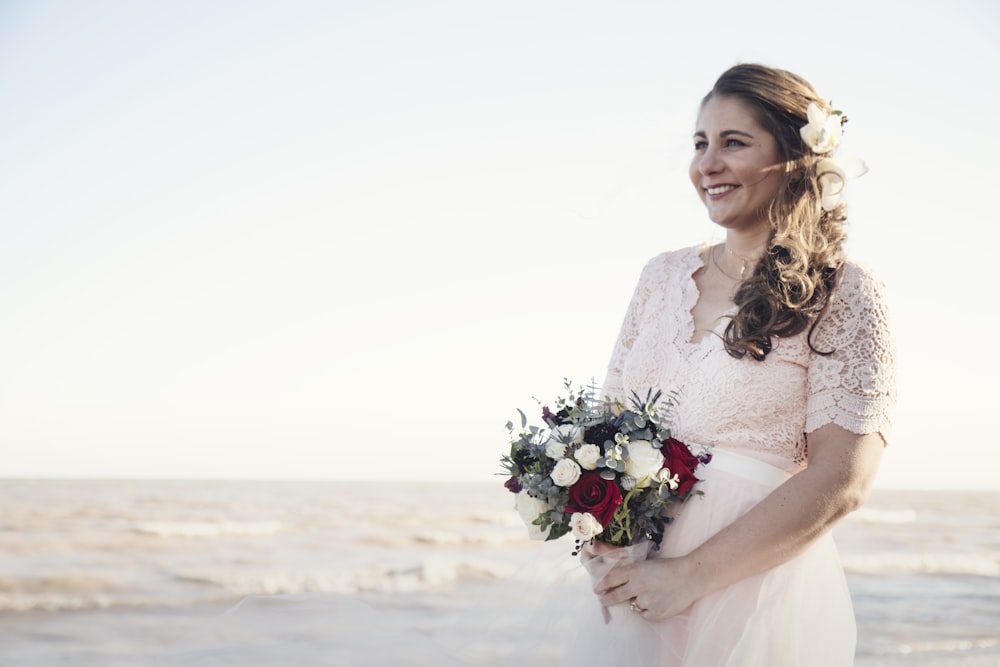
[
  {"x": 822, "y": 134},
  {"x": 833, "y": 173},
  {"x": 823, "y": 131}
]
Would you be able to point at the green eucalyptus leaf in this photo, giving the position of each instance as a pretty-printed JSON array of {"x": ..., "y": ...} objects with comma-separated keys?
[{"x": 557, "y": 531}]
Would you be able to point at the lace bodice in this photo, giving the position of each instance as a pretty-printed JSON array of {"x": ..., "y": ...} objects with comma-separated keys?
[{"x": 764, "y": 408}]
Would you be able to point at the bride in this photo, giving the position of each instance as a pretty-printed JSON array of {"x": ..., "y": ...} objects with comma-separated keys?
[{"x": 783, "y": 357}]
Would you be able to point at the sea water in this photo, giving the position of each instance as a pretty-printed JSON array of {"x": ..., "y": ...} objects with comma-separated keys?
[{"x": 99, "y": 573}]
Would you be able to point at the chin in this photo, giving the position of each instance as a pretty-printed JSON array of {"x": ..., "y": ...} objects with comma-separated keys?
[{"x": 722, "y": 221}]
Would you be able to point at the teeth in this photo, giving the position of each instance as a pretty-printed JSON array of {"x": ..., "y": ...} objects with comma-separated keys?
[{"x": 720, "y": 189}]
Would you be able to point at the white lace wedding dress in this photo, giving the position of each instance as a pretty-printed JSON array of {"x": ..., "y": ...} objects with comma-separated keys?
[{"x": 757, "y": 415}]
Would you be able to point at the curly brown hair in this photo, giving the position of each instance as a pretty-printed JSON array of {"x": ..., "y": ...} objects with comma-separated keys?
[{"x": 790, "y": 287}]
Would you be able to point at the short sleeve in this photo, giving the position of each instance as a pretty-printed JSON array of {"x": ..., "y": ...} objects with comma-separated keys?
[{"x": 854, "y": 386}]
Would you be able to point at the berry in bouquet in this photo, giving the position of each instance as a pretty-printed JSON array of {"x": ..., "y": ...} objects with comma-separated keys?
[{"x": 599, "y": 469}]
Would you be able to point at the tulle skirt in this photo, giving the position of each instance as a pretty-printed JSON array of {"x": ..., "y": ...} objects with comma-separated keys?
[{"x": 798, "y": 613}]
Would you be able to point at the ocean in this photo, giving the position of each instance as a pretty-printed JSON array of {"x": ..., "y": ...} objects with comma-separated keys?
[{"x": 102, "y": 573}]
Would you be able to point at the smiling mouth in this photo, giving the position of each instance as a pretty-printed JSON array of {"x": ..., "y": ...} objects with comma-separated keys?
[{"x": 720, "y": 189}]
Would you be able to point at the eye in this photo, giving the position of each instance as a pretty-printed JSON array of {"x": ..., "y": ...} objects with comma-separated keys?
[
  {"x": 731, "y": 143},
  {"x": 700, "y": 145}
]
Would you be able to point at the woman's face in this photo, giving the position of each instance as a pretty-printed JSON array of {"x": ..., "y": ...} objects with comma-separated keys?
[{"x": 737, "y": 167}]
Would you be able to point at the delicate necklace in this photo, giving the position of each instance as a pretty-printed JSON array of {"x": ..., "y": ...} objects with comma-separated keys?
[
  {"x": 744, "y": 262},
  {"x": 715, "y": 260}
]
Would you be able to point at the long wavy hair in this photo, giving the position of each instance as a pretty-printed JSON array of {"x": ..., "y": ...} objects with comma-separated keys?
[{"x": 790, "y": 287}]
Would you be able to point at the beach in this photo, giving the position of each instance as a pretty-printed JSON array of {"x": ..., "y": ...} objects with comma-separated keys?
[{"x": 114, "y": 573}]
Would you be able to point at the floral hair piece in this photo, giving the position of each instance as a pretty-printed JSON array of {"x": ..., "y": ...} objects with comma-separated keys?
[{"x": 822, "y": 134}]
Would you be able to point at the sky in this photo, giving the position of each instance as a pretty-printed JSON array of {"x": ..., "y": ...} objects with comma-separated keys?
[{"x": 347, "y": 240}]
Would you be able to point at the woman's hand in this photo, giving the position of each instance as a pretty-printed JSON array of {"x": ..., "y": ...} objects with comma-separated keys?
[
  {"x": 596, "y": 548},
  {"x": 660, "y": 587}
]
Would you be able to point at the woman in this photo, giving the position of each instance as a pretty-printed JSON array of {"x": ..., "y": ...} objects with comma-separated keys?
[{"x": 780, "y": 350}]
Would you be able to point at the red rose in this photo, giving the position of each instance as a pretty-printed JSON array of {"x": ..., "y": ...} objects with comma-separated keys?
[
  {"x": 681, "y": 462},
  {"x": 596, "y": 495}
]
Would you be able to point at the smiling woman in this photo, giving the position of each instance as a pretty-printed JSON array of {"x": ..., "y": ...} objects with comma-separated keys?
[{"x": 781, "y": 357}]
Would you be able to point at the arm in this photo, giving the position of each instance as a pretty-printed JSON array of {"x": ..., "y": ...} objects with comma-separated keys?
[{"x": 841, "y": 469}]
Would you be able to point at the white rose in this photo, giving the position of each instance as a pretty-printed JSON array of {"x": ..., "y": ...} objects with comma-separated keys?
[
  {"x": 644, "y": 461},
  {"x": 530, "y": 508},
  {"x": 585, "y": 526},
  {"x": 566, "y": 472},
  {"x": 587, "y": 456},
  {"x": 555, "y": 450}
]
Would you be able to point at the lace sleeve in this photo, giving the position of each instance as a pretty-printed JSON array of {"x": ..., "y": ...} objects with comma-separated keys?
[
  {"x": 855, "y": 386},
  {"x": 613, "y": 385}
]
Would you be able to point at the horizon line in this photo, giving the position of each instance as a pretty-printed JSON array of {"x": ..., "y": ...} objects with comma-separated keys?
[{"x": 388, "y": 480}]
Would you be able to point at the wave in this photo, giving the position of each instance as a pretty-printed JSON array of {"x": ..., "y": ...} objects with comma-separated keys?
[
  {"x": 83, "y": 593},
  {"x": 443, "y": 538},
  {"x": 207, "y": 528},
  {"x": 479, "y": 536},
  {"x": 895, "y": 563},
  {"x": 943, "y": 646},
  {"x": 425, "y": 576},
  {"x": 57, "y": 593},
  {"x": 52, "y": 602}
]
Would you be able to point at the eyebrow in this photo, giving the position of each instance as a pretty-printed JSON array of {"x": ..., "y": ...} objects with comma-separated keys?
[{"x": 725, "y": 133}]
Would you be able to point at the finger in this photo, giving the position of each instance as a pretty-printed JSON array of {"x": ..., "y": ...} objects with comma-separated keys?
[
  {"x": 610, "y": 581},
  {"x": 620, "y": 573},
  {"x": 624, "y": 592},
  {"x": 589, "y": 552},
  {"x": 617, "y": 596}
]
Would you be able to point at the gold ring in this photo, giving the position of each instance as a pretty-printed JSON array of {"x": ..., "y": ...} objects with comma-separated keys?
[{"x": 636, "y": 608}]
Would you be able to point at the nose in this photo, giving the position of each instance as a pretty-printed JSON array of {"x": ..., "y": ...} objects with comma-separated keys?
[{"x": 709, "y": 162}]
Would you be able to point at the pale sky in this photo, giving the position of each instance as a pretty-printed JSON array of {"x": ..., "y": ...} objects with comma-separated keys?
[{"x": 349, "y": 239}]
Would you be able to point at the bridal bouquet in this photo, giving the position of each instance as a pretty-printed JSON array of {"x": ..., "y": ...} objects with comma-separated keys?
[{"x": 600, "y": 469}]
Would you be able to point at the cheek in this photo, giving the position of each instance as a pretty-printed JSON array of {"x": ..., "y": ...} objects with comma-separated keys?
[
  {"x": 695, "y": 175},
  {"x": 776, "y": 185}
]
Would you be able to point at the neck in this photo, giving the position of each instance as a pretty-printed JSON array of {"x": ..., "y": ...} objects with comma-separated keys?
[
  {"x": 737, "y": 256},
  {"x": 745, "y": 255},
  {"x": 749, "y": 245}
]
